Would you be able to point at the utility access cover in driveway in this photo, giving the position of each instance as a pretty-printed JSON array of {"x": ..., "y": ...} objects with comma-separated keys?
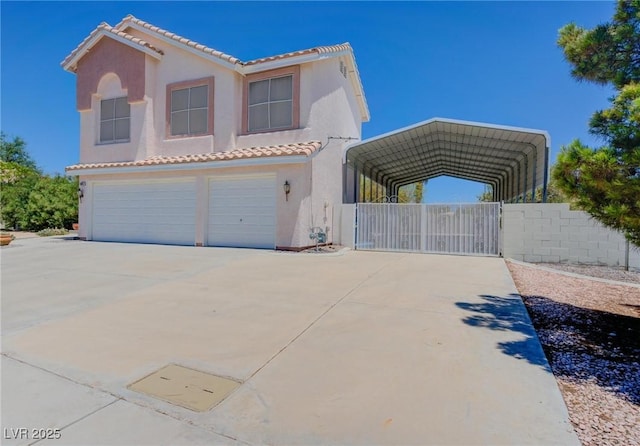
[{"x": 186, "y": 387}]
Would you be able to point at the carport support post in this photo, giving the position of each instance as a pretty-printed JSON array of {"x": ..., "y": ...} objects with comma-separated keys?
[
  {"x": 374, "y": 181},
  {"x": 519, "y": 183},
  {"x": 385, "y": 188},
  {"x": 533, "y": 180},
  {"x": 356, "y": 184},
  {"x": 512, "y": 184},
  {"x": 526, "y": 177},
  {"x": 546, "y": 174},
  {"x": 344, "y": 182}
]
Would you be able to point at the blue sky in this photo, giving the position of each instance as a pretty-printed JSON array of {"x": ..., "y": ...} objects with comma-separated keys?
[{"x": 494, "y": 62}]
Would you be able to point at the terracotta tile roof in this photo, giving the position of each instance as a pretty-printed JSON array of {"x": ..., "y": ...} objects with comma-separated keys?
[
  {"x": 195, "y": 45},
  {"x": 205, "y": 49},
  {"x": 131, "y": 21},
  {"x": 299, "y": 149},
  {"x": 318, "y": 50},
  {"x": 104, "y": 27}
]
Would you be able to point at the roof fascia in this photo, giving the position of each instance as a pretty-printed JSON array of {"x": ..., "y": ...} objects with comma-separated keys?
[
  {"x": 356, "y": 84},
  {"x": 288, "y": 61}
]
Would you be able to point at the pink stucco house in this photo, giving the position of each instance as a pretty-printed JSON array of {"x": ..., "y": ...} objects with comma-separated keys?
[{"x": 183, "y": 144}]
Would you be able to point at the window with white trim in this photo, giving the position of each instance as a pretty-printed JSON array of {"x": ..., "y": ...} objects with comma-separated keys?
[
  {"x": 115, "y": 120},
  {"x": 270, "y": 104},
  {"x": 190, "y": 110}
]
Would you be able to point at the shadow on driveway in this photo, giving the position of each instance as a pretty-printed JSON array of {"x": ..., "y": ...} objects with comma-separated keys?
[
  {"x": 581, "y": 344},
  {"x": 509, "y": 315}
]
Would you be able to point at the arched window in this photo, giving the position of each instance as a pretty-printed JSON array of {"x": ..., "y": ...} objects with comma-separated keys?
[{"x": 115, "y": 111}]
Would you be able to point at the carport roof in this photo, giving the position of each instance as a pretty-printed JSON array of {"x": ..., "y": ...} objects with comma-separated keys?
[{"x": 511, "y": 158}]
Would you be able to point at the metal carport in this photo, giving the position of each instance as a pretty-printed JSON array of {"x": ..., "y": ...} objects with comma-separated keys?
[{"x": 514, "y": 161}]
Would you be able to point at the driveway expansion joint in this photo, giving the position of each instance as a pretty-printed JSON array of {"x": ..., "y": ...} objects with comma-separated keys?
[
  {"x": 117, "y": 398},
  {"x": 84, "y": 417},
  {"x": 322, "y": 315}
]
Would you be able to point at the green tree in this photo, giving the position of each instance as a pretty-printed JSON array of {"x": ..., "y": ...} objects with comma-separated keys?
[
  {"x": 372, "y": 192},
  {"x": 486, "y": 196},
  {"x": 28, "y": 199},
  {"x": 15, "y": 196},
  {"x": 53, "y": 203},
  {"x": 554, "y": 193},
  {"x": 18, "y": 175},
  {"x": 418, "y": 192},
  {"x": 411, "y": 193},
  {"x": 605, "y": 181},
  {"x": 607, "y": 53},
  {"x": 15, "y": 152}
]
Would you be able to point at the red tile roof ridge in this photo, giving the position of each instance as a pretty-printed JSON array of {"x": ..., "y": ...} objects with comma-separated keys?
[
  {"x": 327, "y": 49},
  {"x": 185, "y": 41},
  {"x": 227, "y": 57}
]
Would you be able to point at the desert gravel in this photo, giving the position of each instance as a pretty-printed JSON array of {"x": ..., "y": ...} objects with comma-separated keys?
[
  {"x": 590, "y": 332},
  {"x": 602, "y": 272}
]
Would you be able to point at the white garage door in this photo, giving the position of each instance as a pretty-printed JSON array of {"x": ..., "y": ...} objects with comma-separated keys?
[
  {"x": 242, "y": 212},
  {"x": 145, "y": 212}
]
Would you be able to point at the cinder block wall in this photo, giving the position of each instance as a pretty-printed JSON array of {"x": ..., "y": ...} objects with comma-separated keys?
[{"x": 548, "y": 232}]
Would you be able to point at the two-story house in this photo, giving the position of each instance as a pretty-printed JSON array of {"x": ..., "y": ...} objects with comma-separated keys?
[{"x": 183, "y": 144}]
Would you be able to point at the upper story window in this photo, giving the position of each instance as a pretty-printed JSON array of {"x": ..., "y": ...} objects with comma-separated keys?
[
  {"x": 272, "y": 100},
  {"x": 115, "y": 120},
  {"x": 190, "y": 108},
  {"x": 271, "y": 103}
]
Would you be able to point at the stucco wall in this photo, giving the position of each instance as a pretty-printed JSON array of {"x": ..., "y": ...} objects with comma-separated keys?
[
  {"x": 178, "y": 65},
  {"x": 91, "y": 150},
  {"x": 554, "y": 233},
  {"x": 109, "y": 56},
  {"x": 335, "y": 113},
  {"x": 328, "y": 107}
]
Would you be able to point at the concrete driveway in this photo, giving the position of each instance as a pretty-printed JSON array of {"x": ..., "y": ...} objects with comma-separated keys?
[{"x": 360, "y": 348}]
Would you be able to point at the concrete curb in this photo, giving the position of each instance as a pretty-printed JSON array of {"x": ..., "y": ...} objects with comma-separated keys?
[{"x": 569, "y": 274}]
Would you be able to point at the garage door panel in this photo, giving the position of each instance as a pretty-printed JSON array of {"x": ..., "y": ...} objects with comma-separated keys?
[
  {"x": 242, "y": 212},
  {"x": 153, "y": 212}
]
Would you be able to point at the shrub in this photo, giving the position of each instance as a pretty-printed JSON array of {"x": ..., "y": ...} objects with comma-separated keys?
[{"x": 52, "y": 231}]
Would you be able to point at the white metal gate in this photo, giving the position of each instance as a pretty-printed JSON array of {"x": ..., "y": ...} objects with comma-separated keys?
[{"x": 470, "y": 229}]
